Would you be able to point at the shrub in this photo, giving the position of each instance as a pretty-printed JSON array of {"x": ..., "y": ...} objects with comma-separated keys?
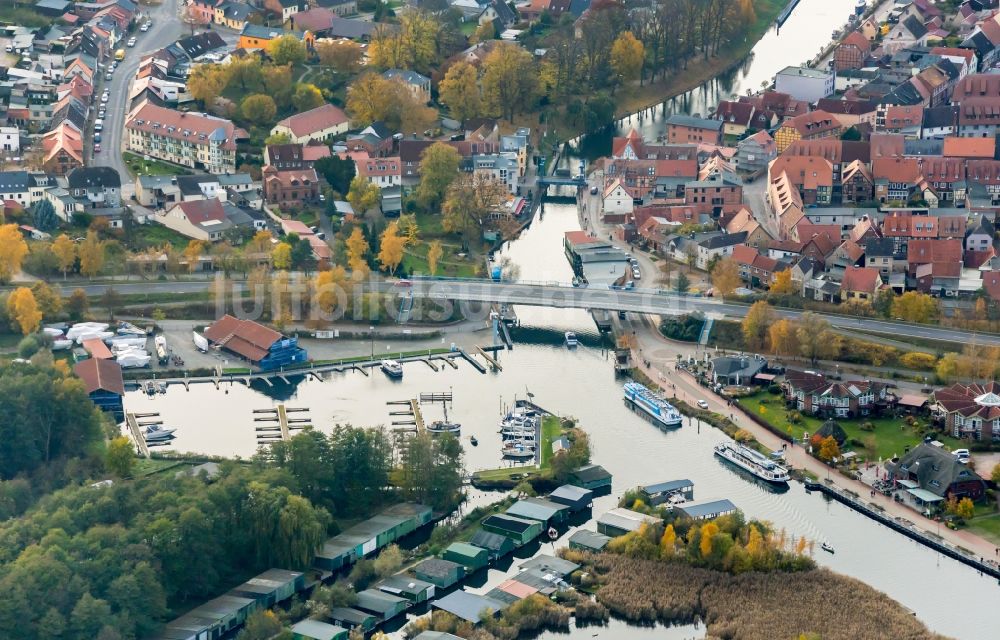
[
  {"x": 866, "y": 426},
  {"x": 774, "y": 389},
  {"x": 27, "y": 347},
  {"x": 794, "y": 417}
]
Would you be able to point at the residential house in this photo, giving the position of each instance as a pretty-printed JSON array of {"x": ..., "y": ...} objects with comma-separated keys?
[
  {"x": 736, "y": 117},
  {"x": 811, "y": 175},
  {"x": 319, "y": 124},
  {"x": 714, "y": 193},
  {"x": 804, "y": 83},
  {"x": 290, "y": 186},
  {"x": 690, "y": 129},
  {"x": 812, "y": 393},
  {"x": 786, "y": 204},
  {"x": 195, "y": 140},
  {"x": 255, "y": 36},
  {"x": 198, "y": 219},
  {"x": 232, "y": 14},
  {"x": 21, "y": 187},
  {"x": 814, "y": 125},
  {"x": 968, "y": 148},
  {"x": 857, "y": 185},
  {"x": 939, "y": 122},
  {"x": 342, "y": 8},
  {"x": 294, "y": 155},
  {"x": 719, "y": 245},
  {"x": 743, "y": 220},
  {"x": 98, "y": 187},
  {"x": 418, "y": 85},
  {"x": 930, "y": 469},
  {"x": 617, "y": 200},
  {"x": 755, "y": 269},
  {"x": 852, "y": 52},
  {"x": 898, "y": 179},
  {"x": 62, "y": 149},
  {"x": 971, "y": 411},
  {"x": 905, "y": 34},
  {"x": 382, "y": 172},
  {"x": 860, "y": 283},
  {"x": 903, "y": 119},
  {"x": 283, "y": 9},
  {"x": 980, "y": 234},
  {"x": 755, "y": 152},
  {"x": 979, "y": 117}
]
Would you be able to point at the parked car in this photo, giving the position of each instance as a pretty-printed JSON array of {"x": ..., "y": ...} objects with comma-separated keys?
[
  {"x": 145, "y": 27},
  {"x": 131, "y": 41},
  {"x": 593, "y": 191},
  {"x": 97, "y": 147},
  {"x": 97, "y": 138},
  {"x": 702, "y": 404},
  {"x": 104, "y": 98},
  {"x": 107, "y": 76}
]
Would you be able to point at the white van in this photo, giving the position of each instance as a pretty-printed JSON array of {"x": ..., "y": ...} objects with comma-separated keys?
[{"x": 99, "y": 125}]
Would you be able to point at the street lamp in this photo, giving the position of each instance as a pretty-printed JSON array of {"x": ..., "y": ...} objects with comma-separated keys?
[{"x": 371, "y": 335}]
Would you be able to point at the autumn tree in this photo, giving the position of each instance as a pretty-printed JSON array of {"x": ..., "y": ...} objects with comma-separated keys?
[
  {"x": 258, "y": 108},
  {"x": 363, "y": 195},
  {"x": 78, "y": 304},
  {"x": 783, "y": 284},
  {"x": 708, "y": 531},
  {"x": 783, "y": 338},
  {"x": 470, "y": 200},
  {"x": 438, "y": 169},
  {"x": 119, "y": 457},
  {"x": 510, "y": 81},
  {"x": 668, "y": 541},
  {"x": 434, "y": 252},
  {"x": 995, "y": 473},
  {"x": 13, "y": 248},
  {"x": 627, "y": 57},
  {"x": 206, "y": 83},
  {"x": 287, "y": 49},
  {"x": 915, "y": 307},
  {"x": 726, "y": 277},
  {"x": 330, "y": 291},
  {"x": 245, "y": 73},
  {"x": 23, "y": 310},
  {"x": 414, "y": 45},
  {"x": 459, "y": 91},
  {"x": 341, "y": 55},
  {"x": 372, "y": 97},
  {"x": 48, "y": 297},
  {"x": 813, "y": 335},
  {"x": 279, "y": 84},
  {"x": 307, "y": 96},
  {"x": 391, "y": 245},
  {"x": 281, "y": 256},
  {"x": 92, "y": 254},
  {"x": 828, "y": 449},
  {"x": 65, "y": 252},
  {"x": 357, "y": 252},
  {"x": 757, "y": 324}
]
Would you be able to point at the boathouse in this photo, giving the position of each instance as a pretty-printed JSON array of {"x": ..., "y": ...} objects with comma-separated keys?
[
  {"x": 403, "y": 586},
  {"x": 583, "y": 540},
  {"x": 382, "y": 605},
  {"x": 660, "y": 492},
  {"x": 272, "y": 586},
  {"x": 576, "y": 498},
  {"x": 440, "y": 573},
  {"x": 104, "y": 384},
  {"x": 352, "y": 618},
  {"x": 309, "y": 629},
  {"x": 469, "y": 606},
  {"x": 436, "y": 635},
  {"x": 259, "y": 345},
  {"x": 497, "y": 545},
  {"x": 520, "y": 530},
  {"x": 472, "y": 557},
  {"x": 370, "y": 535},
  {"x": 540, "y": 509},
  {"x": 214, "y": 619},
  {"x": 549, "y": 565},
  {"x": 591, "y": 476},
  {"x": 618, "y": 522},
  {"x": 706, "y": 510}
]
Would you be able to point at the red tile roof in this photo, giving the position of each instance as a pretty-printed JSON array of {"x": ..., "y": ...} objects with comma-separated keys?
[
  {"x": 100, "y": 375},
  {"x": 244, "y": 337},
  {"x": 969, "y": 147},
  {"x": 924, "y": 251},
  {"x": 202, "y": 211},
  {"x": 314, "y": 120},
  {"x": 195, "y": 128},
  {"x": 860, "y": 279}
]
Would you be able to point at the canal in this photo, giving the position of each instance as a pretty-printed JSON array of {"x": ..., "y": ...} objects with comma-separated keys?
[
  {"x": 949, "y": 597},
  {"x": 808, "y": 29}
]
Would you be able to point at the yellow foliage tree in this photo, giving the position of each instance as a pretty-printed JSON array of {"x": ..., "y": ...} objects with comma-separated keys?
[
  {"x": 434, "y": 252},
  {"x": 828, "y": 449},
  {"x": 13, "y": 248},
  {"x": 783, "y": 284},
  {"x": 755, "y": 542},
  {"x": 357, "y": 249},
  {"x": 627, "y": 56},
  {"x": 782, "y": 337},
  {"x": 65, "y": 252},
  {"x": 391, "y": 246},
  {"x": 92, "y": 257},
  {"x": 757, "y": 324},
  {"x": 281, "y": 256},
  {"x": 459, "y": 91},
  {"x": 192, "y": 253},
  {"x": 918, "y": 360},
  {"x": 510, "y": 80},
  {"x": 363, "y": 195},
  {"x": 330, "y": 290},
  {"x": 343, "y": 55},
  {"x": 915, "y": 307},
  {"x": 668, "y": 540},
  {"x": 23, "y": 310},
  {"x": 708, "y": 531},
  {"x": 800, "y": 546},
  {"x": 726, "y": 277},
  {"x": 48, "y": 297}
]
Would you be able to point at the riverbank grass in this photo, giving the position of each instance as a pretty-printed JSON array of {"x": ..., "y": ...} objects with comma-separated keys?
[
  {"x": 986, "y": 527},
  {"x": 889, "y": 437}
]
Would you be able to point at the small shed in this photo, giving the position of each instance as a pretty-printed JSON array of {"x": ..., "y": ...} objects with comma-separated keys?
[
  {"x": 352, "y": 618},
  {"x": 706, "y": 510},
  {"x": 540, "y": 509},
  {"x": 520, "y": 530},
  {"x": 832, "y": 428},
  {"x": 436, "y": 635},
  {"x": 315, "y": 630},
  {"x": 497, "y": 545},
  {"x": 472, "y": 557},
  {"x": 403, "y": 586},
  {"x": 660, "y": 492},
  {"x": 272, "y": 586},
  {"x": 547, "y": 564},
  {"x": 440, "y": 573},
  {"x": 588, "y": 541},
  {"x": 381, "y": 604},
  {"x": 591, "y": 476},
  {"x": 469, "y": 606},
  {"x": 618, "y": 522},
  {"x": 410, "y": 515},
  {"x": 576, "y": 498}
]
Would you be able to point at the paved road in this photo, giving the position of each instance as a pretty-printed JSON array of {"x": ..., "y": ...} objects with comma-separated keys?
[{"x": 166, "y": 29}]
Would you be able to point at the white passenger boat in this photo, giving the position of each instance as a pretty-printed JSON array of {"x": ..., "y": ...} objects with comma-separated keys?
[
  {"x": 156, "y": 432},
  {"x": 752, "y": 461},
  {"x": 391, "y": 368},
  {"x": 659, "y": 409},
  {"x": 571, "y": 340}
]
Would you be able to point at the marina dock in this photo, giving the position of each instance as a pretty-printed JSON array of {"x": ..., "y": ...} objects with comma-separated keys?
[
  {"x": 281, "y": 425},
  {"x": 131, "y": 420},
  {"x": 493, "y": 361},
  {"x": 414, "y": 418}
]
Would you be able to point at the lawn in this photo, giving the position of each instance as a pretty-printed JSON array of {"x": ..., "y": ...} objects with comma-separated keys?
[
  {"x": 450, "y": 264},
  {"x": 156, "y": 235},
  {"x": 986, "y": 526},
  {"x": 551, "y": 430},
  {"x": 153, "y": 167},
  {"x": 891, "y": 435}
]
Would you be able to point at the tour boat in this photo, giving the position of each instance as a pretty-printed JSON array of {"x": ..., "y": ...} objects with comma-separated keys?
[
  {"x": 826, "y": 546},
  {"x": 657, "y": 408},
  {"x": 571, "y": 340},
  {"x": 156, "y": 432},
  {"x": 392, "y": 368},
  {"x": 755, "y": 463}
]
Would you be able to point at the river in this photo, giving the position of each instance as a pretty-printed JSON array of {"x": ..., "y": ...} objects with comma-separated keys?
[
  {"x": 950, "y": 597},
  {"x": 802, "y": 37}
]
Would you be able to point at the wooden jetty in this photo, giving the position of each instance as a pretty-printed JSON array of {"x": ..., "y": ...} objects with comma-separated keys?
[
  {"x": 475, "y": 363},
  {"x": 134, "y": 427},
  {"x": 281, "y": 424},
  {"x": 493, "y": 361},
  {"x": 412, "y": 411}
]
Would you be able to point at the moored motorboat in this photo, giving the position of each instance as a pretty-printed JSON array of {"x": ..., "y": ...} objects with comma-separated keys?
[
  {"x": 571, "y": 340},
  {"x": 474, "y": 441},
  {"x": 753, "y": 462},
  {"x": 518, "y": 450},
  {"x": 156, "y": 432},
  {"x": 652, "y": 404},
  {"x": 826, "y": 546},
  {"x": 391, "y": 368}
]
